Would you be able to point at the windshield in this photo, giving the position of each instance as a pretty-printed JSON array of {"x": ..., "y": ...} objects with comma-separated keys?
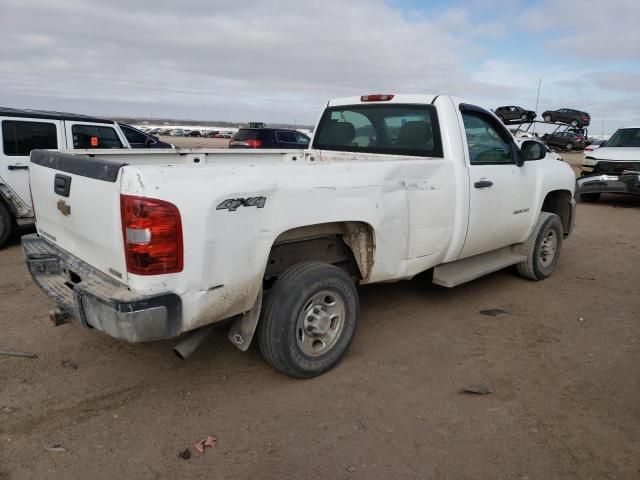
[
  {"x": 625, "y": 137},
  {"x": 390, "y": 129}
]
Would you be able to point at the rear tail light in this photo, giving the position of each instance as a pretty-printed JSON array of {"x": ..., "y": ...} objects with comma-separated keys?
[
  {"x": 376, "y": 98},
  {"x": 152, "y": 232},
  {"x": 253, "y": 143}
]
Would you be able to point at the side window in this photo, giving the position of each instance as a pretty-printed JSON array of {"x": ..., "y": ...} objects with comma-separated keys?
[
  {"x": 302, "y": 139},
  {"x": 133, "y": 136},
  {"x": 19, "y": 138},
  {"x": 486, "y": 146},
  {"x": 288, "y": 137},
  {"x": 94, "y": 136}
]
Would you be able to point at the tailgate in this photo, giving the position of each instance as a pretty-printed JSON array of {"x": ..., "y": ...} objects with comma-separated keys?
[{"x": 76, "y": 201}]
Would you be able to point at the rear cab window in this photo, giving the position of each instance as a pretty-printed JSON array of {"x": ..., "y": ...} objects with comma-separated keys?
[
  {"x": 20, "y": 137},
  {"x": 95, "y": 136},
  {"x": 395, "y": 129}
]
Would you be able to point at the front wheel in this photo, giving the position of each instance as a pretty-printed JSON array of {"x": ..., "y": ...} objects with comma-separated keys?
[
  {"x": 308, "y": 320},
  {"x": 7, "y": 224},
  {"x": 524, "y": 117},
  {"x": 574, "y": 123},
  {"x": 542, "y": 248},
  {"x": 569, "y": 146},
  {"x": 547, "y": 118},
  {"x": 590, "y": 197}
]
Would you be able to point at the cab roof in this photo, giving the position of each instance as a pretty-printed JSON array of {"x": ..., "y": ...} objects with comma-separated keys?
[{"x": 49, "y": 115}]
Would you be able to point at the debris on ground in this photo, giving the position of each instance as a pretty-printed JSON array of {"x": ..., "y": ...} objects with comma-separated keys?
[
  {"x": 586, "y": 278},
  {"x": 208, "y": 441},
  {"x": 477, "y": 389},
  {"x": 69, "y": 365},
  {"x": 18, "y": 354},
  {"x": 185, "y": 454},
  {"x": 351, "y": 469},
  {"x": 56, "y": 447},
  {"x": 493, "y": 312},
  {"x": 7, "y": 409},
  {"x": 581, "y": 319}
]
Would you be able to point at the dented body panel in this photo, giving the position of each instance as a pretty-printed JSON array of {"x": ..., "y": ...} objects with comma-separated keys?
[{"x": 398, "y": 214}]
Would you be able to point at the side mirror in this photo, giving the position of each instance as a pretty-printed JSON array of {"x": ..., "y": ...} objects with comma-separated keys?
[{"x": 532, "y": 150}]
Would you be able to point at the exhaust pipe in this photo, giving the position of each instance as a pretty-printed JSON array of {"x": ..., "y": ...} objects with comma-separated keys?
[{"x": 192, "y": 341}]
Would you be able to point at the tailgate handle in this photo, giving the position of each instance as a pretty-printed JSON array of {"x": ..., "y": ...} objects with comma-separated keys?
[
  {"x": 18, "y": 167},
  {"x": 62, "y": 185}
]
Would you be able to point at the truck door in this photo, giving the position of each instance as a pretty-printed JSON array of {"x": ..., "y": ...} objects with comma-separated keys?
[
  {"x": 502, "y": 194},
  {"x": 83, "y": 135},
  {"x": 19, "y": 137}
]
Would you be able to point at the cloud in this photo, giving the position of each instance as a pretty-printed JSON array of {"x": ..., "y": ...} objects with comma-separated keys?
[
  {"x": 587, "y": 28},
  {"x": 280, "y": 61}
]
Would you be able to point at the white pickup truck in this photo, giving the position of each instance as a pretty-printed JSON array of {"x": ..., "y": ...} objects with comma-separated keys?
[{"x": 149, "y": 245}]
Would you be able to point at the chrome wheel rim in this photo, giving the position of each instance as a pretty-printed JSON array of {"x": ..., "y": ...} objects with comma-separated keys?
[
  {"x": 320, "y": 323},
  {"x": 548, "y": 248}
]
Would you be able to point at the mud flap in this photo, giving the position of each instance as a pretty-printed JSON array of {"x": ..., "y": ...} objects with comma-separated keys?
[{"x": 244, "y": 326}]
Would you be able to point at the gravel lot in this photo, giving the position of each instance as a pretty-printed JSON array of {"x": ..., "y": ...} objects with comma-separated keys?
[{"x": 563, "y": 364}]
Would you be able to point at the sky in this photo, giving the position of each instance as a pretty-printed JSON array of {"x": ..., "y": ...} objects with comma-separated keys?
[{"x": 280, "y": 61}]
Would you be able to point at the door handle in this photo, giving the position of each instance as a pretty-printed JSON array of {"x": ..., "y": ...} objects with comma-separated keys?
[
  {"x": 18, "y": 167},
  {"x": 483, "y": 184}
]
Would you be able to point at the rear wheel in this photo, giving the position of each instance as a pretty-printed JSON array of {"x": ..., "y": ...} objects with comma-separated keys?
[
  {"x": 569, "y": 146},
  {"x": 542, "y": 248},
  {"x": 524, "y": 117},
  {"x": 590, "y": 197},
  {"x": 574, "y": 123},
  {"x": 547, "y": 118},
  {"x": 501, "y": 118},
  {"x": 308, "y": 319},
  {"x": 7, "y": 224}
]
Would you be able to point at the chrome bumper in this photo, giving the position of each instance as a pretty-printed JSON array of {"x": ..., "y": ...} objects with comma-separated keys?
[
  {"x": 627, "y": 182},
  {"x": 96, "y": 299}
]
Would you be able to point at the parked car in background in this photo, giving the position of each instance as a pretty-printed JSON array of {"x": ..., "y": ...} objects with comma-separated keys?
[
  {"x": 512, "y": 113},
  {"x": 26, "y": 130},
  {"x": 225, "y": 134},
  {"x": 177, "y": 132},
  {"x": 212, "y": 133},
  {"x": 139, "y": 139},
  {"x": 575, "y": 118},
  {"x": 194, "y": 133},
  {"x": 268, "y": 138},
  {"x": 566, "y": 141},
  {"x": 612, "y": 168}
]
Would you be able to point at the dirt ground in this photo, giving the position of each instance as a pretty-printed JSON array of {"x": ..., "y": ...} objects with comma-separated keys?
[{"x": 563, "y": 364}]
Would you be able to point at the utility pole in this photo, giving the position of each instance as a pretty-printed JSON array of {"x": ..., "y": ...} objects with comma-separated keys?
[
  {"x": 602, "y": 136},
  {"x": 537, "y": 101}
]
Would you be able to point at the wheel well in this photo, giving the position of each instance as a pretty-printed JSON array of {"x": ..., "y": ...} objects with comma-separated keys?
[
  {"x": 348, "y": 245},
  {"x": 559, "y": 202}
]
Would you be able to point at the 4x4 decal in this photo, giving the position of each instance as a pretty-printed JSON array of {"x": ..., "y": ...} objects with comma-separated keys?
[{"x": 232, "y": 204}]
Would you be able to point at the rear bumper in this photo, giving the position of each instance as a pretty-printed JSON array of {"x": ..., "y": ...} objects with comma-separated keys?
[
  {"x": 628, "y": 182},
  {"x": 97, "y": 300}
]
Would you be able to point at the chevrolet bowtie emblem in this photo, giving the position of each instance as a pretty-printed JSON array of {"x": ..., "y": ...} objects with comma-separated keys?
[{"x": 64, "y": 208}]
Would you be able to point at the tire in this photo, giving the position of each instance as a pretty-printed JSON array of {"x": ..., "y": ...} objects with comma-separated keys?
[
  {"x": 590, "y": 197},
  {"x": 547, "y": 118},
  {"x": 7, "y": 224},
  {"x": 308, "y": 296},
  {"x": 524, "y": 117},
  {"x": 574, "y": 123},
  {"x": 542, "y": 248},
  {"x": 568, "y": 147},
  {"x": 501, "y": 118}
]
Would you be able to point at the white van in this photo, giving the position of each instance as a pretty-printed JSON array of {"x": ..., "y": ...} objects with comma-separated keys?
[{"x": 25, "y": 130}]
